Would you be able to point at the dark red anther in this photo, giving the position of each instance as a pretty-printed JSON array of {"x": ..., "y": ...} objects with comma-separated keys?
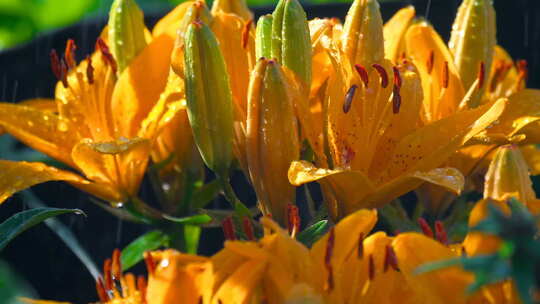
[
  {"x": 425, "y": 227},
  {"x": 69, "y": 54},
  {"x": 105, "y": 51},
  {"x": 499, "y": 69},
  {"x": 150, "y": 263},
  {"x": 228, "y": 229},
  {"x": 396, "y": 100},
  {"x": 116, "y": 264},
  {"x": 245, "y": 33},
  {"x": 248, "y": 228},
  {"x": 390, "y": 259},
  {"x": 89, "y": 70},
  {"x": 141, "y": 286},
  {"x": 481, "y": 75},
  {"x": 440, "y": 233},
  {"x": 397, "y": 77},
  {"x": 107, "y": 274},
  {"x": 430, "y": 62},
  {"x": 102, "y": 293},
  {"x": 371, "y": 268},
  {"x": 523, "y": 68},
  {"x": 349, "y": 98},
  {"x": 362, "y": 72},
  {"x": 59, "y": 68},
  {"x": 328, "y": 258},
  {"x": 293, "y": 219},
  {"x": 382, "y": 73},
  {"x": 360, "y": 249},
  {"x": 445, "y": 75}
]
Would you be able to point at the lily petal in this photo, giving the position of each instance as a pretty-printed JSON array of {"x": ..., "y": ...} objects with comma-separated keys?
[
  {"x": 17, "y": 176},
  {"x": 394, "y": 31},
  {"x": 169, "y": 24},
  {"x": 40, "y": 130},
  {"x": 523, "y": 109}
]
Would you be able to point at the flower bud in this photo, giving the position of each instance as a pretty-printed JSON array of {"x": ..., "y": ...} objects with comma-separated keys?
[
  {"x": 291, "y": 42},
  {"x": 272, "y": 138},
  {"x": 126, "y": 32},
  {"x": 362, "y": 38},
  {"x": 237, "y": 7},
  {"x": 508, "y": 176},
  {"x": 263, "y": 38},
  {"x": 208, "y": 95},
  {"x": 473, "y": 40}
]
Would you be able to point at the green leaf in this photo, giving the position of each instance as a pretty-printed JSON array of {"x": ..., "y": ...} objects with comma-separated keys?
[
  {"x": 205, "y": 194},
  {"x": 22, "y": 221},
  {"x": 198, "y": 219},
  {"x": 192, "y": 234},
  {"x": 311, "y": 234},
  {"x": 133, "y": 253},
  {"x": 12, "y": 286}
]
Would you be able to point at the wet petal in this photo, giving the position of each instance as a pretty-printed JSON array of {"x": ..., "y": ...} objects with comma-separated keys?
[
  {"x": 40, "y": 130},
  {"x": 17, "y": 176},
  {"x": 394, "y": 31},
  {"x": 523, "y": 109}
]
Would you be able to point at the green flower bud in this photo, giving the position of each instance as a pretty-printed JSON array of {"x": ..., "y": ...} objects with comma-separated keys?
[
  {"x": 126, "y": 32},
  {"x": 209, "y": 99},
  {"x": 291, "y": 42},
  {"x": 263, "y": 37}
]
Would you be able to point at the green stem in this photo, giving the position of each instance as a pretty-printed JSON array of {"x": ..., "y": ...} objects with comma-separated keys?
[{"x": 231, "y": 197}]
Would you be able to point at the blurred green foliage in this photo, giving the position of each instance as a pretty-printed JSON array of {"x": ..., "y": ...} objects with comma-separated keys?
[{"x": 21, "y": 20}]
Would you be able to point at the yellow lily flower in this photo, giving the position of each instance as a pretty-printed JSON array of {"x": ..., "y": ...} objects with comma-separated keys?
[
  {"x": 78, "y": 127},
  {"x": 375, "y": 148}
]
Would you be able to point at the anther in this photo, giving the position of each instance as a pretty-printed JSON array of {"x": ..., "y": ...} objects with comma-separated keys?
[
  {"x": 440, "y": 233},
  {"x": 58, "y": 67},
  {"x": 390, "y": 259},
  {"x": 523, "y": 69},
  {"x": 425, "y": 227},
  {"x": 481, "y": 75},
  {"x": 150, "y": 263},
  {"x": 360, "y": 249},
  {"x": 245, "y": 33},
  {"x": 396, "y": 100},
  {"x": 445, "y": 75},
  {"x": 141, "y": 286},
  {"x": 228, "y": 229},
  {"x": 89, "y": 70},
  {"x": 463, "y": 252},
  {"x": 69, "y": 54},
  {"x": 362, "y": 72},
  {"x": 328, "y": 258},
  {"x": 430, "y": 62},
  {"x": 349, "y": 98},
  {"x": 497, "y": 75},
  {"x": 107, "y": 274},
  {"x": 293, "y": 219},
  {"x": 102, "y": 294},
  {"x": 397, "y": 77},
  {"x": 104, "y": 49},
  {"x": 248, "y": 228},
  {"x": 371, "y": 268},
  {"x": 382, "y": 73},
  {"x": 116, "y": 264}
]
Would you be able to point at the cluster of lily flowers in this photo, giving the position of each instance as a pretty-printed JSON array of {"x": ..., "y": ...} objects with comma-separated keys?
[{"x": 369, "y": 111}]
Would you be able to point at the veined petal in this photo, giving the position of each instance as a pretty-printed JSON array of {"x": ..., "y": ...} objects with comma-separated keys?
[
  {"x": 523, "y": 109},
  {"x": 394, "y": 32},
  {"x": 17, "y": 176},
  {"x": 40, "y": 130},
  {"x": 449, "y": 178},
  {"x": 140, "y": 85},
  {"x": 239, "y": 287},
  {"x": 441, "y": 286},
  {"x": 237, "y": 7},
  {"x": 431, "y": 145},
  {"x": 431, "y": 56}
]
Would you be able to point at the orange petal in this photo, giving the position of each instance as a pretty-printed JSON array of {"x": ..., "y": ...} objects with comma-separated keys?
[
  {"x": 40, "y": 130},
  {"x": 476, "y": 243},
  {"x": 394, "y": 31},
  {"x": 169, "y": 24},
  {"x": 17, "y": 176},
  {"x": 43, "y": 104},
  {"x": 140, "y": 85},
  {"x": 523, "y": 109}
]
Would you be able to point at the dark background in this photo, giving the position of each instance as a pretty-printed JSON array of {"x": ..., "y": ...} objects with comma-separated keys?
[{"x": 44, "y": 260}]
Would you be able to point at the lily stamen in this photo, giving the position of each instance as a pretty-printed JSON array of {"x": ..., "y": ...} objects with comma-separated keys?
[
  {"x": 116, "y": 265},
  {"x": 430, "y": 62},
  {"x": 382, "y": 73},
  {"x": 293, "y": 219},
  {"x": 150, "y": 263},
  {"x": 390, "y": 259},
  {"x": 89, "y": 70},
  {"x": 69, "y": 54},
  {"x": 106, "y": 52},
  {"x": 102, "y": 294},
  {"x": 371, "y": 268},
  {"x": 228, "y": 229},
  {"x": 245, "y": 33},
  {"x": 362, "y": 72},
  {"x": 360, "y": 249},
  {"x": 248, "y": 228},
  {"x": 445, "y": 76},
  {"x": 349, "y": 98},
  {"x": 397, "y": 77},
  {"x": 440, "y": 233},
  {"x": 328, "y": 258},
  {"x": 396, "y": 99},
  {"x": 425, "y": 227},
  {"x": 59, "y": 68},
  {"x": 523, "y": 69},
  {"x": 481, "y": 75},
  {"x": 141, "y": 286},
  {"x": 108, "y": 275}
]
